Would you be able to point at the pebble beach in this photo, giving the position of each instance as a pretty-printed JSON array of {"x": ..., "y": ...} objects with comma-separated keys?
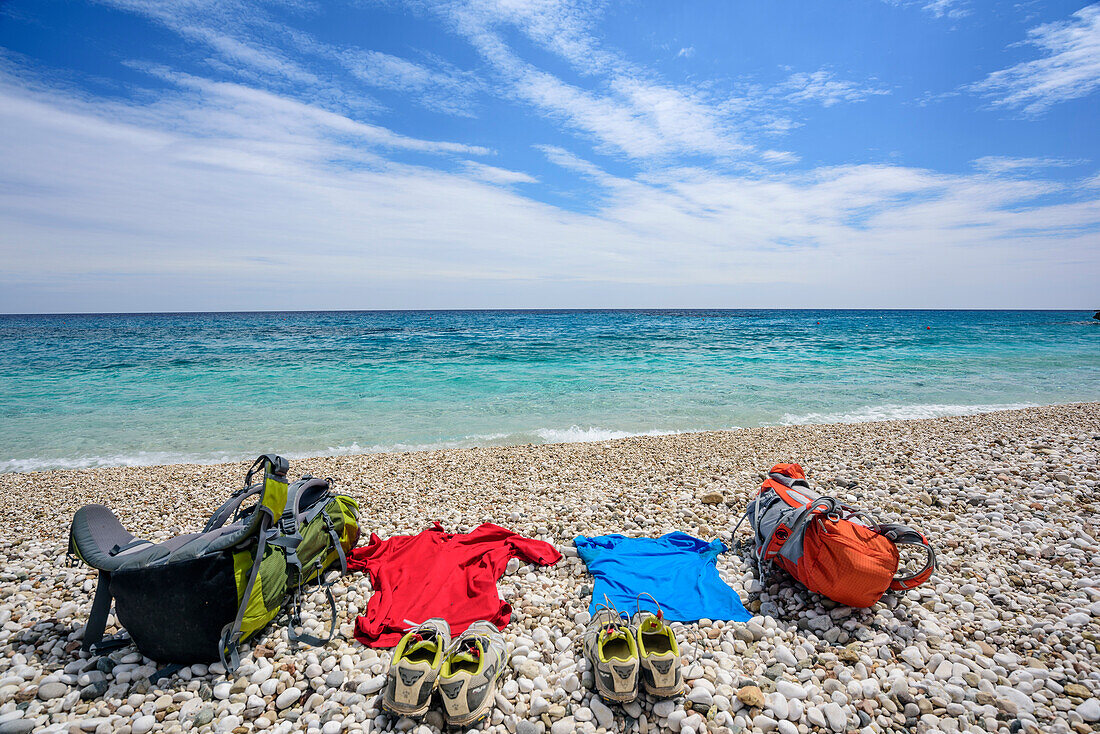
[{"x": 1004, "y": 638}]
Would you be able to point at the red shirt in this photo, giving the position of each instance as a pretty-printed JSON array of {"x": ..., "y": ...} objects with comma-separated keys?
[{"x": 439, "y": 574}]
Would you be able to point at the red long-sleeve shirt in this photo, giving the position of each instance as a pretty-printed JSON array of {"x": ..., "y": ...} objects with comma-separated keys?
[{"x": 439, "y": 574}]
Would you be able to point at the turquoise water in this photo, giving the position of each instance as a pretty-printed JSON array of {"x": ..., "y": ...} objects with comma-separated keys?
[{"x": 96, "y": 390}]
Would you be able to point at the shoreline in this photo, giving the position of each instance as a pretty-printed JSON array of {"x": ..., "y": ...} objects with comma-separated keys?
[
  {"x": 1006, "y": 635},
  {"x": 975, "y": 410}
]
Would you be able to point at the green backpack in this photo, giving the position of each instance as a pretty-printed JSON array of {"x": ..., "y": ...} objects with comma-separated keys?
[{"x": 194, "y": 598}]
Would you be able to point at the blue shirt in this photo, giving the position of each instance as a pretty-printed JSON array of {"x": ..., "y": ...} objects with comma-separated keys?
[{"x": 678, "y": 570}]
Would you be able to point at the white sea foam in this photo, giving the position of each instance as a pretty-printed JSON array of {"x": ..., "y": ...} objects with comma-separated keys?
[
  {"x": 140, "y": 458},
  {"x": 483, "y": 439},
  {"x": 576, "y": 434},
  {"x": 896, "y": 412},
  {"x": 572, "y": 434}
]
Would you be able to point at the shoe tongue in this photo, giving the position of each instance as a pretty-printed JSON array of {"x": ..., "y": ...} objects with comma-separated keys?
[
  {"x": 651, "y": 624},
  {"x": 426, "y": 644},
  {"x": 614, "y": 633},
  {"x": 470, "y": 653}
]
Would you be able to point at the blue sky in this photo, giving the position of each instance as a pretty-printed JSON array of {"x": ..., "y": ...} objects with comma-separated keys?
[{"x": 204, "y": 155}]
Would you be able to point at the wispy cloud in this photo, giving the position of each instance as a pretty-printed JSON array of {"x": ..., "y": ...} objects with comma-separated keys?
[
  {"x": 823, "y": 86},
  {"x": 227, "y": 28},
  {"x": 1069, "y": 67},
  {"x": 952, "y": 9},
  {"x": 440, "y": 87},
  {"x": 628, "y": 112},
  {"x": 191, "y": 195},
  {"x": 495, "y": 175},
  {"x": 996, "y": 164},
  {"x": 686, "y": 52},
  {"x": 780, "y": 156},
  {"x": 249, "y": 43},
  {"x": 266, "y": 164}
]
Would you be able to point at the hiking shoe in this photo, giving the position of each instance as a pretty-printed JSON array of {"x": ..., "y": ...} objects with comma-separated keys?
[
  {"x": 612, "y": 652},
  {"x": 470, "y": 672},
  {"x": 659, "y": 655},
  {"x": 415, "y": 667}
]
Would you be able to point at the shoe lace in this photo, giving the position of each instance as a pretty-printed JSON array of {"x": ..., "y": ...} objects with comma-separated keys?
[
  {"x": 611, "y": 617},
  {"x": 679, "y": 629},
  {"x": 420, "y": 632},
  {"x": 638, "y": 605},
  {"x": 467, "y": 637}
]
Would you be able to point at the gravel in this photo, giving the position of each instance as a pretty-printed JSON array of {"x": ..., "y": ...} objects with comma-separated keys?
[{"x": 1004, "y": 638}]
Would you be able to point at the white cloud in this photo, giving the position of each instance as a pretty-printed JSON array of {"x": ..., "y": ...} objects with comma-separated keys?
[
  {"x": 1068, "y": 69},
  {"x": 562, "y": 157},
  {"x": 952, "y": 9},
  {"x": 628, "y": 111},
  {"x": 228, "y": 29},
  {"x": 621, "y": 107},
  {"x": 686, "y": 52},
  {"x": 221, "y": 196},
  {"x": 1007, "y": 164},
  {"x": 249, "y": 44},
  {"x": 823, "y": 86},
  {"x": 492, "y": 174},
  {"x": 783, "y": 157},
  {"x": 439, "y": 87}
]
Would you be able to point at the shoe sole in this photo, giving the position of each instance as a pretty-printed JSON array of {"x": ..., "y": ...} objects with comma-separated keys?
[
  {"x": 618, "y": 698},
  {"x": 612, "y": 697},
  {"x": 664, "y": 692},
  {"x": 411, "y": 713},
  {"x": 478, "y": 715}
]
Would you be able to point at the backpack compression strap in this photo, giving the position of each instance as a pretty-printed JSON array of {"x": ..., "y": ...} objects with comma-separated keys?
[
  {"x": 231, "y": 633},
  {"x": 279, "y": 467},
  {"x": 231, "y": 507},
  {"x": 288, "y": 538},
  {"x": 905, "y": 535},
  {"x": 270, "y": 465},
  {"x": 795, "y": 491}
]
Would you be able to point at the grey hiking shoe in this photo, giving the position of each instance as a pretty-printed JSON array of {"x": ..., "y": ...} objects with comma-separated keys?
[
  {"x": 658, "y": 654},
  {"x": 414, "y": 668},
  {"x": 611, "y": 649},
  {"x": 470, "y": 673}
]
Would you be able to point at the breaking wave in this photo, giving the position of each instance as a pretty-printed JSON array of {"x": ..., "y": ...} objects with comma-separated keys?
[
  {"x": 870, "y": 413},
  {"x": 572, "y": 434}
]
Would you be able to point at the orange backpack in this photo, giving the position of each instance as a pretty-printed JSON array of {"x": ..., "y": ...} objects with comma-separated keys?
[{"x": 832, "y": 548}]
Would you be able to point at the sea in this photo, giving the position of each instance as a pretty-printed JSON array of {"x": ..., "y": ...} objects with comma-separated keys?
[{"x": 93, "y": 390}]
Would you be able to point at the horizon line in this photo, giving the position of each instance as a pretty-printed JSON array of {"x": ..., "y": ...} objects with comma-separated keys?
[{"x": 529, "y": 310}]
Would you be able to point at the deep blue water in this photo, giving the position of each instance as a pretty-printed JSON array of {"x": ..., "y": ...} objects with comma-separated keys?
[{"x": 93, "y": 390}]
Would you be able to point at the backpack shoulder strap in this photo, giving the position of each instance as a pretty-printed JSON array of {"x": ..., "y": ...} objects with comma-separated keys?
[
  {"x": 230, "y": 507},
  {"x": 905, "y": 535}
]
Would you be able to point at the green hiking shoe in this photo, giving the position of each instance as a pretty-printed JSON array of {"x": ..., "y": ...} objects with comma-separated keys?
[
  {"x": 470, "y": 673},
  {"x": 659, "y": 655},
  {"x": 611, "y": 649},
  {"x": 414, "y": 668}
]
